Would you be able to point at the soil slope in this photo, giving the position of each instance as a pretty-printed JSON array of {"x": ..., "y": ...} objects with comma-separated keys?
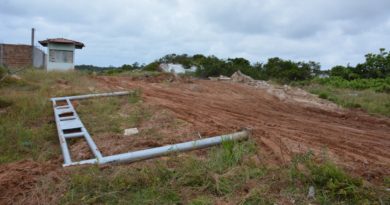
[{"x": 359, "y": 142}]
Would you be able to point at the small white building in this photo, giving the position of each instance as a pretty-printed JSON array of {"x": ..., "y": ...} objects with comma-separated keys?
[
  {"x": 60, "y": 53},
  {"x": 176, "y": 68}
]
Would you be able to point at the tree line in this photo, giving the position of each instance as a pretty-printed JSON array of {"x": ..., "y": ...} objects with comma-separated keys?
[{"x": 281, "y": 70}]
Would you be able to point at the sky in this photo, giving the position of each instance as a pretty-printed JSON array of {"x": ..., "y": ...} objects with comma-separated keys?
[{"x": 331, "y": 32}]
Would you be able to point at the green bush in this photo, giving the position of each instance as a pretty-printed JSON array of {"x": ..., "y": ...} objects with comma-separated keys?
[
  {"x": 332, "y": 184},
  {"x": 385, "y": 88},
  {"x": 152, "y": 67},
  {"x": 3, "y": 71},
  {"x": 5, "y": 103},
  {"x": 378, "y": 85},
  {"x": 323, "y": 95}
]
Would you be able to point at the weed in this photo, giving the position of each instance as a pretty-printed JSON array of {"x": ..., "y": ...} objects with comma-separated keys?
[
  {"x": 27, "y": 129},
  {"x": 230, "y": 154},
  {"x": 352, "y": 105},
  {"x": 135, "y": 96},
  {"x": 323, "y": 95},
  {"x": 119, "y": 186},
  {"x": 201, "y": 200},
  {"x": 332, "y": 183},
  {"x": 5, "y": 103},
  {"x": 369, "y": 100},
  {"x": 195, "y": 174},
  {"x": 256, "y": 197},
  {"x": 386, "y": 181}
]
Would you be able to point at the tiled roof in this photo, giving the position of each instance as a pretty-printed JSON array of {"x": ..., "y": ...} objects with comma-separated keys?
[{"x": 61, "y": 40}]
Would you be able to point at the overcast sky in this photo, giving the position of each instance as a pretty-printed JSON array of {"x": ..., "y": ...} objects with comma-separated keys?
[{"x": 117, "y": 32}]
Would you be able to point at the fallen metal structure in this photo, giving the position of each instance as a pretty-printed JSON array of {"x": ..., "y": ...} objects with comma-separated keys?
[{"x": 70, "y": 126}]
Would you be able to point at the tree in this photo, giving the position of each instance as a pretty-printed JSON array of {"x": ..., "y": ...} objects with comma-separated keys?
[{"x": 375, "y": 66}]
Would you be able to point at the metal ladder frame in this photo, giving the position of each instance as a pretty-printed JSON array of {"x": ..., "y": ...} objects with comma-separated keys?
[{"x": 69, "y": 126}]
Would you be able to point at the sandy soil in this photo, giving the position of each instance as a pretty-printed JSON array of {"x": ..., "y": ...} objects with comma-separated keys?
[{"x": 281, "y": 126}]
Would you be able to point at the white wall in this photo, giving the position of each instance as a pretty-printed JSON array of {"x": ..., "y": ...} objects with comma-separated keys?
[{"x": 56, "y": 65}]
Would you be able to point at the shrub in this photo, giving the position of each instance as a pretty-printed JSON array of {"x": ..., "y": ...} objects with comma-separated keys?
[
  {"x": 335, "y": 183},
  {"x": 378, "y": 85},
  {"x": 5, "y": 103},
  {"x": 385, "y": 88},
  {"x": 152, "y": 67},
  {"x": 323, "y": 95},
  {"x": 2, "y": 72},
  {"x": 332, "y": 184},
  {"x": 352, "y": 105}
]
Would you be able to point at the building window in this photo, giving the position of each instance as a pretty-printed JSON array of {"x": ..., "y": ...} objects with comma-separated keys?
[{"x": 61, "y": 56}]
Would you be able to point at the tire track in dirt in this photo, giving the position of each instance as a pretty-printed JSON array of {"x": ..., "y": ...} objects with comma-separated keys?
[{"x": 355, "y": 139}]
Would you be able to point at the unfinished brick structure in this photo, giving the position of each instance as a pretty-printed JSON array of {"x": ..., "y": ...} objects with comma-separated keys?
[{"x": 19, "y": 56}]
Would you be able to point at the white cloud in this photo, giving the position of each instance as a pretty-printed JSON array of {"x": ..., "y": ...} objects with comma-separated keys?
[{"x": 117, "y": 32}]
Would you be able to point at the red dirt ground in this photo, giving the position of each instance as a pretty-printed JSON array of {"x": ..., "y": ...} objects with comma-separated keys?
[
  {"x": 17, "y": 179},
  {"x": 359, "y": 142},
  {"x": 280, "y": 127}
]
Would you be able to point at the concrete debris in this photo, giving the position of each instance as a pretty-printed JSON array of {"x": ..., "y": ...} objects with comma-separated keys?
[
  {"x": 286, "y": 93},
  {"x": 220, "y": 78},
  {"x": 15, "y": 77},
  {"x": 131, "y": 131},
  {"x": 241, "y": 78},
  {"x": 311, "y": 194}
]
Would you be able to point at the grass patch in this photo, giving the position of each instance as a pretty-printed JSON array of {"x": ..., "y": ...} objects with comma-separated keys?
[
  {"x": 332, "y": 184},
  {"x": 377, "y": 85},
  {"x": 323, "y": 95},
  {"x": 257, "y": 197},
  {"x": 368, "y": 100},
  {"x": 112, "y": 114},
  {"x": 27, "y": 128},
  {"x": 163, "y": 182},
  {"x": 120, "y": 186},
  {"x": 201, "y": 200},
  {"x": 5, "y": 103}
]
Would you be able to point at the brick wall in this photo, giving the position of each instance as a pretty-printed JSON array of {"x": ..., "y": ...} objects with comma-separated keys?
[{"x": 15, "y": 56}]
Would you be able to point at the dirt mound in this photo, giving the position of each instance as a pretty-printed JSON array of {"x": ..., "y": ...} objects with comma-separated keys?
[
  {"x": 286, "y": 93},
  {"x": 281, "y": 126},
  {"x": 17, "y": 179}
]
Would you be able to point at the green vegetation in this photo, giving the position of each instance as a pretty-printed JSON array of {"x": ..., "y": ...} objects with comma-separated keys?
[
  {"x": 369, "y": 99},
  {"x": 375, "y": 66},
  {"x": 332, "y": 184},
  {"x": 26, "y": 122},
  {"x": 240, "y": 179},
  {"x": 232, "y": 172},
  {"x": 381, "y": 85},
  {"x": 211, "y": 66},
  {"x": 157, "y": 183},
  {"x": 99, "y": 115}
]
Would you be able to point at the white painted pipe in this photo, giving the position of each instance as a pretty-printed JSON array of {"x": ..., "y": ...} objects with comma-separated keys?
[
  {"x": 64, "y": 145},
  {"x": 78, "y": 97},
  {"x": 164, "y": 150},
  {"x": 95, "y": 150}
]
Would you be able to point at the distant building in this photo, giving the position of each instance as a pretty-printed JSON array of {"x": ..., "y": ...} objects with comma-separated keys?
[
  {"x": 60, "y": 53},
  {"x": 323, "y": 75},
  {"x": 175, "y": 68}
]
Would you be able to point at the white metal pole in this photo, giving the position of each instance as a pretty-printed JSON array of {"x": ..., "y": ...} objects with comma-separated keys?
[{"x": 164, "y": 150}]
